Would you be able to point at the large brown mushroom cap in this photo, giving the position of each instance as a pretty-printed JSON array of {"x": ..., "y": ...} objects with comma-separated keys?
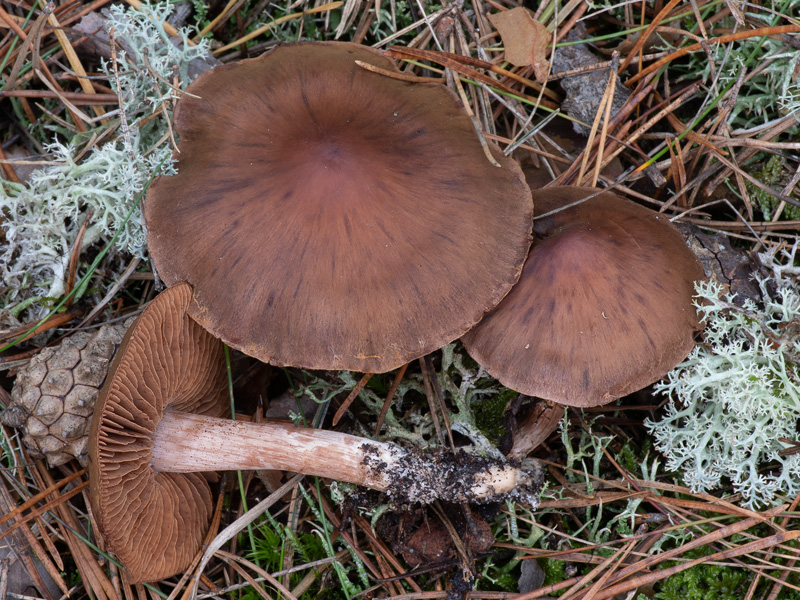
[
  {"x": 154, "y": 522},
  {"x": 603, "y": 307},
  {"x": 332, "y": 217}
]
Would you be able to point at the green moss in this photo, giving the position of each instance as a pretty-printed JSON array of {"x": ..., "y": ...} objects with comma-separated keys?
[
  {"x": 706, "y": 582},
  {"x": 488, "y": 414},
  {"x": 498, "y": 577},
  {"x": 555, "y": 571},
  {"x": 629, "y": 455},
  {"x": 771, "y": 174},
  {"x": 627, "y": 458},
  {"x": 717, "y": 582}
]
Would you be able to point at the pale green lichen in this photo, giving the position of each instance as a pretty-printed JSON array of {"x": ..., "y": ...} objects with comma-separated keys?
[
  {"x": 789, "y": 99},
  {"x": 464, "y": 385},
  {"x": 738, "y": 392},
  {"x": 41, "y": 220}
]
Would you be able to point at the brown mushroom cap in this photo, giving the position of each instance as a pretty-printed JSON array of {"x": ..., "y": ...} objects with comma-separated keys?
[
  {"x": 173, "y": 362},
  {"x": 332, "y": 217},
  {"x": 603, "y": 307}
]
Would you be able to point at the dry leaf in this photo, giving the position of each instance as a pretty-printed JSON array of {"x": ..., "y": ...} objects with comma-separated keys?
[{"x": 524, "y": 38}]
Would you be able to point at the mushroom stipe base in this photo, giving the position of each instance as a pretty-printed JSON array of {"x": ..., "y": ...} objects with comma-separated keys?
[{"x": 461, "y": 477}]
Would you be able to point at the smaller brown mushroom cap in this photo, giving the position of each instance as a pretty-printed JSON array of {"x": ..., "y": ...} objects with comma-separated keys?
[{"x": 603, "y": 307}]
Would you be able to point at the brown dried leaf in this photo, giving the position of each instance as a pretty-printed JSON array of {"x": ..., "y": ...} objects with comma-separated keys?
[{"x": 524, "y": 38}]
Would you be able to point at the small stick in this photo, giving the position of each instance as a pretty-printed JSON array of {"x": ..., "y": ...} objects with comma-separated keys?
[
  {"x": 74, "y": 97},
  {"x": 601, "y": 145},
  {"x": 270, "y": 25},
  {"x": 74, "y": 257},
  {"x": 32, "y": 501},
  {"x": 56, "y": 320},
  {"x": 8, "y": 167},
  {"x": 77, "y": 114},
  {"x": 601, "y": 66},
  {"x": 637, "y": 48},
  {"x": 126, "y": 132},
  {"x": 431, "y": 372},
  {"x": 48, "y": 506},
  {"x": 351, "y": 397},
  {"x": 222, "y": 15},
  {"x": 389, "y": 397},
  {"x": 71, "y": 55},
  {"x": 431, "y": 404},
  {"x": 478, "y": 129},
  {"x": 167, "y": 27},
  {"x": 401, "y": 76},
  {"x": 112, "y": 292},
  {"x": 604, "y": 101},
  {"x": 733, "y": 37},
  {"x": 465, "y": 65}
]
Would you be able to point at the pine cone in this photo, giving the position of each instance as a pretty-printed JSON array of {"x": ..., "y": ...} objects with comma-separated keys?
[{"x": 54, "y": 395}]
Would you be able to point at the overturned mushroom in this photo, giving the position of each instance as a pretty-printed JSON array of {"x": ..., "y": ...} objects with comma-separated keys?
[
  {"x": 157, "y": 427},
  {"x": 353, "y": 217},
  {"x": 603, "y": 307}
]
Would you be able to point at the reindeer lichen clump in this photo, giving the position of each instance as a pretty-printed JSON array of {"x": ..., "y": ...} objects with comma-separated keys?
[
  {"x": 735, "y": 402},
  {"x": 42, "y": 218}
]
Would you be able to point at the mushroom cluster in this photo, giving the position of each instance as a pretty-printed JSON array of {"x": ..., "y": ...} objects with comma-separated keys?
[
  {"x": 337, "y": 219},
  {"x": 341, "y": 219}
]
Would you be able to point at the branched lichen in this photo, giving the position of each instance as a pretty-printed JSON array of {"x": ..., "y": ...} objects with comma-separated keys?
[
  {"x": 738, "y": 393},
  {"x": 41, "y": 219},
  {"x": 466, "y": 387},
  {"x": 771, "y": 89}
]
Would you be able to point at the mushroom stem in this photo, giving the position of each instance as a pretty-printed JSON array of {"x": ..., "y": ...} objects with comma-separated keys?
[{"x": 186, "y": 442}]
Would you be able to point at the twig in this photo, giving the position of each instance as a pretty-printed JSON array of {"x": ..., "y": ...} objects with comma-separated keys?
[
  {"x": 167, "y": 27},
  {"x": 351, "y": 397},
  {"x": 73, "y": 97},
  {"x": 234, "y": 528},
  {"x": 72, "y": 57},
  {"x": 268, "y": 26},
  {"x": 74, "y": 258},
  {"x": 742, "y": 35},
  {"x": 395, "y": 75},
  {"x": 389, "y": 397},
  {"x": 111, "y": 292},
  {"x": 645, "y": 35}
]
